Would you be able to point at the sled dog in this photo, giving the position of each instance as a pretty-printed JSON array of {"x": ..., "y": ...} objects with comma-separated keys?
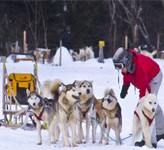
[
  {"x": 86, "y": 53},
  {"x": 67, "y": 112},
  {"x": 89, "y": 52},
  {"x": 146, "y": 52},
  {"x": 143, "y": 120},
  {"x": 85, "y": 110},
  {"x": 113, "y": 116},
  {"x": 75, "y": 55},
  {"x": 99, "y": 114},
  {"x": 149, "y": 54},
  {"x": 44, "y": 109}
]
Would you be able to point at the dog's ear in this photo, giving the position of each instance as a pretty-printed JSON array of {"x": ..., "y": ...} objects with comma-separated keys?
[
  {"x": 77, "y": 83},
  {"x": 91, "y": 82},
  {"x": 107, "y": 92},
  {"x": 111, "y": 92},
  {"x": 27, "y": 92},
  {"x": 63, "y": 87}
]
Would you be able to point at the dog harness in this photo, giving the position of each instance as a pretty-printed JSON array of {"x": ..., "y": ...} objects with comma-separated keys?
[
  {"x": 88, "y": 103},
  {"x": 150, "y": 120},
  {"x": 40, "y": 115},
  {"x": 67, "y": 112},
  {"x": 84, "y": 112}
]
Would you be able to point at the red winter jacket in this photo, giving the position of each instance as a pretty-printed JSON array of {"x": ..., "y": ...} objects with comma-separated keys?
[{"x": 146, "y": 70}]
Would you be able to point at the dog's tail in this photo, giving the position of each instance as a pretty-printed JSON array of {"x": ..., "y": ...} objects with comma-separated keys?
[
  {"x": 55, "y": 87},
  {"x": 45, "y": 88},
  {"x": 50, "y": 89}
]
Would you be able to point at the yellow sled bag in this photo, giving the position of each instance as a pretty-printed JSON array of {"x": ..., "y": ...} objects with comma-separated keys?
[{"x": 19, "y": 83}]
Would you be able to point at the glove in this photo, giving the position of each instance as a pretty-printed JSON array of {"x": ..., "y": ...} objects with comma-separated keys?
[{"x": 124, "y": 91}]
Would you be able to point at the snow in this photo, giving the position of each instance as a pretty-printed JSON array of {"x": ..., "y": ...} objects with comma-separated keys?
[{"x": 103, "y": 76}]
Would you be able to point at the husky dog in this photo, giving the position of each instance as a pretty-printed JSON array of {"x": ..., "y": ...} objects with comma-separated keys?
[
  {"x": 75, "y": 55},
  {"x": 67, "y": 112},
  {"x": 82, "y": 54},
  {"x": 89, "y": 53},
  {"x": 146, "y": 52},
  {"x": 149, "y": 54},
  {"x": 143, "y": 120},
  {"x": 44, "y": 109},
  {"x": 113, "y": 116},
  {"x": 66, "y": 99},
  {"x": 86, "y": 53},
  {"x": 86, "y": 110},
  {"x": 99, "y": 113}
]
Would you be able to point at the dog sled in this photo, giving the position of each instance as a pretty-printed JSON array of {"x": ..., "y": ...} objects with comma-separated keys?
[{"x": 15, "y": 82}]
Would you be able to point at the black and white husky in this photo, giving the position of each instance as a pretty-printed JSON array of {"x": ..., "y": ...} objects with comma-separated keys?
[{"x": 44, "y": 110}]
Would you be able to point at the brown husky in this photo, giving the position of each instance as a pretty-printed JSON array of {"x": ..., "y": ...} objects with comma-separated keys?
[{"x": 112, "y": 118}]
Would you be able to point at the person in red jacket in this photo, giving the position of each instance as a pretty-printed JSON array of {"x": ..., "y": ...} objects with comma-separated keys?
[{"x": 144, "y": 73}]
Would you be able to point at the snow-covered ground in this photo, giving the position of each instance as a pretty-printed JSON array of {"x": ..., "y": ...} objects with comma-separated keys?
[{"x": 103, "y": 76}]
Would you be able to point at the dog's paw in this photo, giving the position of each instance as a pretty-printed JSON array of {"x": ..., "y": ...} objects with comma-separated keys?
[
  {"x": 79, "y": 142},
  {"x": 53, "y": 142},
  {"x": 67, "y": 145},
  {"x": 119, "y": 142},
  {"x": 39, "y": 143},
  {"x": 74, "y": 145},
  {"x": 93, "y": 141}
]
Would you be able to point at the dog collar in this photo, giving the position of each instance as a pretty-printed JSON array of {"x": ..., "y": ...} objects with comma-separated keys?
[{"x": 40, "y": 115}]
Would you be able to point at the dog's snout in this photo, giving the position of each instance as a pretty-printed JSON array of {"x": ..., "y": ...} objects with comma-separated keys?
[
  {"x": 88, "y": 91},
  {"x": 153, "y": 110},
  {"x": 79, "y": 93},
  {"x": 109, "y": 100},
  {"x": 34, "y": 104}
]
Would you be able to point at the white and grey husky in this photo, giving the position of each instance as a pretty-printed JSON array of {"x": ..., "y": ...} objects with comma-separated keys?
[{"x": 86, "y": 110}]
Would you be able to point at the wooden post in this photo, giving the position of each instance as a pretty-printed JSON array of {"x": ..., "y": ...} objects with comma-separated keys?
[
  {"x": 126, "y": 41},
  {"x": 158, "y": 42},
  {"x": 16, "y": 47},
  {"x": 4, "y": 89},
  {"x": 60, "y": 59},
  {"x": 24, "y": 42}
]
